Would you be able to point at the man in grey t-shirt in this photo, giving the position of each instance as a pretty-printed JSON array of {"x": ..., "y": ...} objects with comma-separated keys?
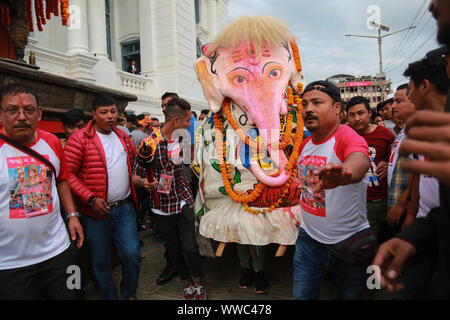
[{"x": 139, "y": 133}]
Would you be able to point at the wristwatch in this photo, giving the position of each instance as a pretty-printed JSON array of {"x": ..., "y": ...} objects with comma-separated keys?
[
  {"x": 70, "y": 215},
  {"x": 91, "y": 201}
]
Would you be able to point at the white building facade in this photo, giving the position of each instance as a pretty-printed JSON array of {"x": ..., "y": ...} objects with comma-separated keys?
[{"x": 163, "y": 37}]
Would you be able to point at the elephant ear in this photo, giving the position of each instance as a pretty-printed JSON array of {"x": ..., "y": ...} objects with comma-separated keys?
[{"x": 210, "y": 83}]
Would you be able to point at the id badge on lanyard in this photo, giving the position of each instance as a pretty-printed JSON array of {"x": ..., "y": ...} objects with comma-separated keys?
[
  {"x": 165, "y": 183},
  {"x": 165, "y": 180}
]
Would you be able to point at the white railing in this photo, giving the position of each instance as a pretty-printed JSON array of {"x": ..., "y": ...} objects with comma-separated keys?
[{"x": 132, "y": 82}]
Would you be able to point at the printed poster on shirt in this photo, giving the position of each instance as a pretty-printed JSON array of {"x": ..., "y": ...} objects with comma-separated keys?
[
  {"x": 31, "y": 191},
  {"x": 373, "y": 178},
  {"x": 311, "y": 201},
  {"x": 174, "y": 150}
]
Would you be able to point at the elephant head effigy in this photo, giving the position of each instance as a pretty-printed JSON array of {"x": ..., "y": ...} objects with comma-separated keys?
[{"x": 251, "y": 78}]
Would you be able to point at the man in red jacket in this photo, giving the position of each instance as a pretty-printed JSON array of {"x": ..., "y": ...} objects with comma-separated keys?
[{"x": 100, "y": 158}]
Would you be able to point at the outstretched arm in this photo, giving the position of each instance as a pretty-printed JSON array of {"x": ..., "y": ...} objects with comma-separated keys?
[{"x": 352, "y": 170}]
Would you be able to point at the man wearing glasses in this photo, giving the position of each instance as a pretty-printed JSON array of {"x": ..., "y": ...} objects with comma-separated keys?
[{"x": 34, "y": 244}]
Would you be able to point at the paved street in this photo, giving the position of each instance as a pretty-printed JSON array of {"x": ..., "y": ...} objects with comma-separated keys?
[{"x": 221, "y": 277}]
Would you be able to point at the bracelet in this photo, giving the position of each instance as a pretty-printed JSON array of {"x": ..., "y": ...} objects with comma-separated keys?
[
  {"x": 70, "y": 215},
  {"x": 91, "y": 201}
]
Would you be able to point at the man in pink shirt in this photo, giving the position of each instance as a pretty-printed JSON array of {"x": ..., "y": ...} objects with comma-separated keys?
[{"x": 335, "y": 236}]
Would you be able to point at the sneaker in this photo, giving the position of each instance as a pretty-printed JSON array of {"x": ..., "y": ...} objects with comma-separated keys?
[
  {"x": 200, "y": 293},
  {"x": 166, "y": 275},
  {"x": 261, "y": 284},
  {"x": 246, "y": 278},
  {"x": 189, "y": 292}
]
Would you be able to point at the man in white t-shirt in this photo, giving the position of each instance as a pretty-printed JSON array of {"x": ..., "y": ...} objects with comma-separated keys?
[
  {"x": 427, "y": 89},
  {"x": 332, "y": 168},
  {"x": 100, "y": 158},
  {"x": 34, "y": 244}
]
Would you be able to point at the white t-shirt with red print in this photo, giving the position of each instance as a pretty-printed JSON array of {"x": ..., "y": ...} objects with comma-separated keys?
[
  {"x": 31, "y": 227},
  {"x": 332, "y": 215}
]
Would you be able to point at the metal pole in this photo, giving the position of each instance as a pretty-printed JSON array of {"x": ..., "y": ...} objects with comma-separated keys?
[
  {"x": 380, "y": 50},
  {"x": 379, "y": 37}
]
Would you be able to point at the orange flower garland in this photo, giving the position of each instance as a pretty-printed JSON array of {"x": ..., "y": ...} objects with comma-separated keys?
[
  {"x": 51, "y": 6},
  {"x": 287, "y": 132},
  {"x": 225, "y": 168},
  {"x": 296, "y": 53},
  {"x": 65, "y": 12},
  {"x": 241, "y": 134},
  {"x": 290, "y": 100}
]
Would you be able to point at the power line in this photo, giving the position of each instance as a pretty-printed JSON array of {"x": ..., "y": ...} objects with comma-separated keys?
[
  {"x": 408, "y": 59},
  {"x": 407, "y": 33},
  {"x": 407, "y": 48},
  {"x": 379, "y": 38},
  {"x": 411, "y": 45},
  {"x": 396, "y": 56}
]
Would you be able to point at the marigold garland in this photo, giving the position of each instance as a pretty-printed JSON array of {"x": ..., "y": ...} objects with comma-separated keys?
[
  {"x": 296, "y": 53},
  {"x": 51, "y": 6},
  {"x": 225, "y": 168},
  {"x": 241, "y": 134}
]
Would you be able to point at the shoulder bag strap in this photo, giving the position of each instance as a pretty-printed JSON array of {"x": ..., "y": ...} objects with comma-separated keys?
[{"x": 28, "y": 151}]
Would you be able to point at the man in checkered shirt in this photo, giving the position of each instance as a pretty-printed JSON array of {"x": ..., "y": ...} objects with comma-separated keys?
[
  {"x": 399, "y": 180},
  {"x": 162, "y": 154}
]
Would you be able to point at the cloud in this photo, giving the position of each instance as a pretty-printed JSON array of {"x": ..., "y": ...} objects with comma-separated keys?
[{"x": 320, "y": 28}]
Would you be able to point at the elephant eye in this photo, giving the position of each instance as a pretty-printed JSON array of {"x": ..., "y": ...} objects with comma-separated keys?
[
  {"x": 275, "y": 73},
  {"x": 240, "y": 79}
]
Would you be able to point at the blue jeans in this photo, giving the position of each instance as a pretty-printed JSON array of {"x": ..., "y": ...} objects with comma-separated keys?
[
  {"x": 120, "y": 226},
  {"x": 313, "y": 261}
]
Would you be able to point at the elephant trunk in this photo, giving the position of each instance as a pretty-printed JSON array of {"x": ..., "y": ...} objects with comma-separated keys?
[
  {"x": 271, "y": 139},
  {"x": 280, "y": 160}
]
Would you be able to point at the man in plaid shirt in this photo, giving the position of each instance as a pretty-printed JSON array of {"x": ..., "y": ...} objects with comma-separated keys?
[
  {"x": 399, "y": 180},
  {"x": 160, "y": 157}
]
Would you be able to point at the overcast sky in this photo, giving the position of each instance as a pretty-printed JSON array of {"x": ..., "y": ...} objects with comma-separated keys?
[{"x": 320, "y": 28}]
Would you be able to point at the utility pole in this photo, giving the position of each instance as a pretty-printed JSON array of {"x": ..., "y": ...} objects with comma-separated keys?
[{"x": 379, "y": 37}]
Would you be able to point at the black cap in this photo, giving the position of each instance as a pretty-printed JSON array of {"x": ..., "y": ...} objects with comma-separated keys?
[
  {"x": 327, "y": 87},
  {"x": 442, "y": 52}
]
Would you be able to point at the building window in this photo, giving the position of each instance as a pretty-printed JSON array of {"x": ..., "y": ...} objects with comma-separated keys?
[
  {"x": 131, "y": 51},
  {"x": 197, "y": 11},
  {"x": 108, "y": 27}
]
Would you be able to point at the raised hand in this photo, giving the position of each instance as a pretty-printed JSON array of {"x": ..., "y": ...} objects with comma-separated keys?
[{"x": 429, "y": 135}]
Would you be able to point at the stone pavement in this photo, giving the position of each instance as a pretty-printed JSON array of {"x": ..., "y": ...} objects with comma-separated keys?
[{"x": 220, "y": 277}]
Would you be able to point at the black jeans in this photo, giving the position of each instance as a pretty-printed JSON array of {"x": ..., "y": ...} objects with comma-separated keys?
[
  {"x": 47, "y": 279},
  {"x": 178, "y": 232}
]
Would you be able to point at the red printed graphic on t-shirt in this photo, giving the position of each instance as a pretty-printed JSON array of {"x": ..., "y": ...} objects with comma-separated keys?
[
  {"x": 394, "y": 150},
  {"x": 311, "y": 201},
  {"x": 31, "y": 191}
]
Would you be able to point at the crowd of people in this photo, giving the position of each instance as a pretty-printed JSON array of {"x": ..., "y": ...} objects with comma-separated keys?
[{"x": 374, "y": 191}]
